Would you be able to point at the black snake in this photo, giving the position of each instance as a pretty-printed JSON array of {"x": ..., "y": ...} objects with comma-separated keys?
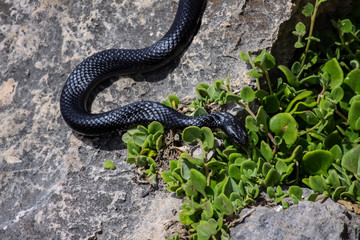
[{"x": 96, "y": 68}]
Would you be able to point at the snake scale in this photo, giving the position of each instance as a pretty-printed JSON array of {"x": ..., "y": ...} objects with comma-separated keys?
[{"x": 98, "y": 67}]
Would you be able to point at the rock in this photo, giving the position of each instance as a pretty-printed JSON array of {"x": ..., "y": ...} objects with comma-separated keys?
[
  {"x": 52, "y": 181},
  {"x": 306, "y": 220}
]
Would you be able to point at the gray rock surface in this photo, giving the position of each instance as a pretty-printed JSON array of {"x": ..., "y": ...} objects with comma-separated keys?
[
  {"x": 52, "y": 181},
  {"x": 307, "y": 220}
]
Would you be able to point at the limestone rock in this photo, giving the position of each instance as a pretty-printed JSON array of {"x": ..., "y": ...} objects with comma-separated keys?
[{"x": 307, "y": 220}]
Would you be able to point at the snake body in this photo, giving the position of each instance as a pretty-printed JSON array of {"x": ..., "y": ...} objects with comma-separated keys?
[{"x": 98, "y": 67}]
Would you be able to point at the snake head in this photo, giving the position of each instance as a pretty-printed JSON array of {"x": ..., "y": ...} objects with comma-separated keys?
[{"x": 235, "y": 130}]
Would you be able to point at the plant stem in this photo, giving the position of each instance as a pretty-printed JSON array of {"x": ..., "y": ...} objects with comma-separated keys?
[
  {"x": 311, "y": 129},
  {"x": 341, "y": 115},
  {"x": 268, "y": 80},
  {"x": 313, "y": 17},
  {"x": 207, "y": 173},
  {"x": 345, "y": 44},
  {"x": 320, "y": 95},
  {"x": 254, "y": 67}
]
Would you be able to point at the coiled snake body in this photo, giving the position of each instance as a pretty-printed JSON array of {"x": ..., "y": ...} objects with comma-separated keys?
[{"x": 96, "y": 68}]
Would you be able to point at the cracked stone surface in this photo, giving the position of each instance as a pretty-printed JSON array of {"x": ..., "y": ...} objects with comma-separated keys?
[
  {"x": 306, "y": 220},
  {"x": 52, "y": 181}
]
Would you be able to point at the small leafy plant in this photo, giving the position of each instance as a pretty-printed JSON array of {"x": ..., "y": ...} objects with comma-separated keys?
[
  {"x": 305, "y": 132},
  {"x": 143, "y": 144}
]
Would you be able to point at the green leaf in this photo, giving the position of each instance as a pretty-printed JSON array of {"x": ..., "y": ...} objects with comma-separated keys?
[
  {"x": 337, "y": 94},
  {"x": 337, "y": 192},
  {"x": 346, "y": 26},
  {"x": 284, "y": 204},
  {"x": 308, "y": 10},
  {"x": 313, "y": 38},
  {"x": 317, "y": 183},
  {"x": 251, "y": 124},
  {"x": 208, "y": 208},
  {"x": 296, "y": 67},
  {"x": 109, "y": 165},
  {"x": 223, "y": 204},
  {"x": 266, "y": 168},
  {"x": 130, "y": 159},
  {"x": 229, "y": 186},
  {"x": 267, "y": 61},
  {"x": 311, "y": 59},
  {"x": 126, "y": 137},
  {"x": 173, "y": 101},
  {"x": 332, "y": 139},
  {"x": 333, "y": 178},
  {"x": 167, "y": 176},
  {"x": 279, "y": 194},
  {"x": 271, "y": 192},
  {"x": 337, "y": 152},
  {"x": 139, "y": 138},
  {"x": 189, "y": 189},
  {"x": 247, "y": 94},
  {"x": 281, "y": 166},
  {"x": 230, "y": 97},
  {"x": 317, "y": 161},
  {"x": 336, "y": 74},
  {"x": 310, "y": 80},
  {"x": 215, "y": 165},
  {"x": 234, "y": 172},
  {"x": 133, "y": 149},
  {"x": 254, "y": 73},
  {"x": 272, "y": 178},
  {"x": 141, "y": 161},
  {"x": 208, "y": 138},
  {"x": 354, "y": 115},
  {"x": 298, "y": 150},
  {"x": 284, "y": 125},
  {"x": 244, "y": 56},
  {"x": 296, "y": 191},
  {"x": 206, "y": 229},
  {"x": 191, "y": 134},
  {"x": 262, "y": 118},
  {"x": 199, "y": 181},
  {"x": 186, "y": 166},
  {"x": 291, "y": 78},
  {"x": 191, "y": 159},
  {"x": 185, "y": 218},
  {"x": 300, "y": 29},
  {"x": 308, "y": 117},
  {"x": 248, "y": 165},
  {"x": 351, "y": 160},
  {"x": 353, "y": 80},
  {"x": 300, "y": 96},
  {"x": 155, "y": 127},
  {"x": 212, "y": 92},
  {"x": 266, "y": 151},
  {"x": 219, "y": 84},
  {"x": 260, "y": 94},
  {"x": 312, "y": 197},
  {"x": 299, "y": 44},
  {"x": 200, "y": 112},
  {"x": 271, "y": 103},
  {"x": 159, "y": 143}
]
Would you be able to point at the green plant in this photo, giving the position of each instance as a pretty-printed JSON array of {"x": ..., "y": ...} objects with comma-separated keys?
[
  {"x": 305, "y": 132},
  {"x": 143, "y": 144}
]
